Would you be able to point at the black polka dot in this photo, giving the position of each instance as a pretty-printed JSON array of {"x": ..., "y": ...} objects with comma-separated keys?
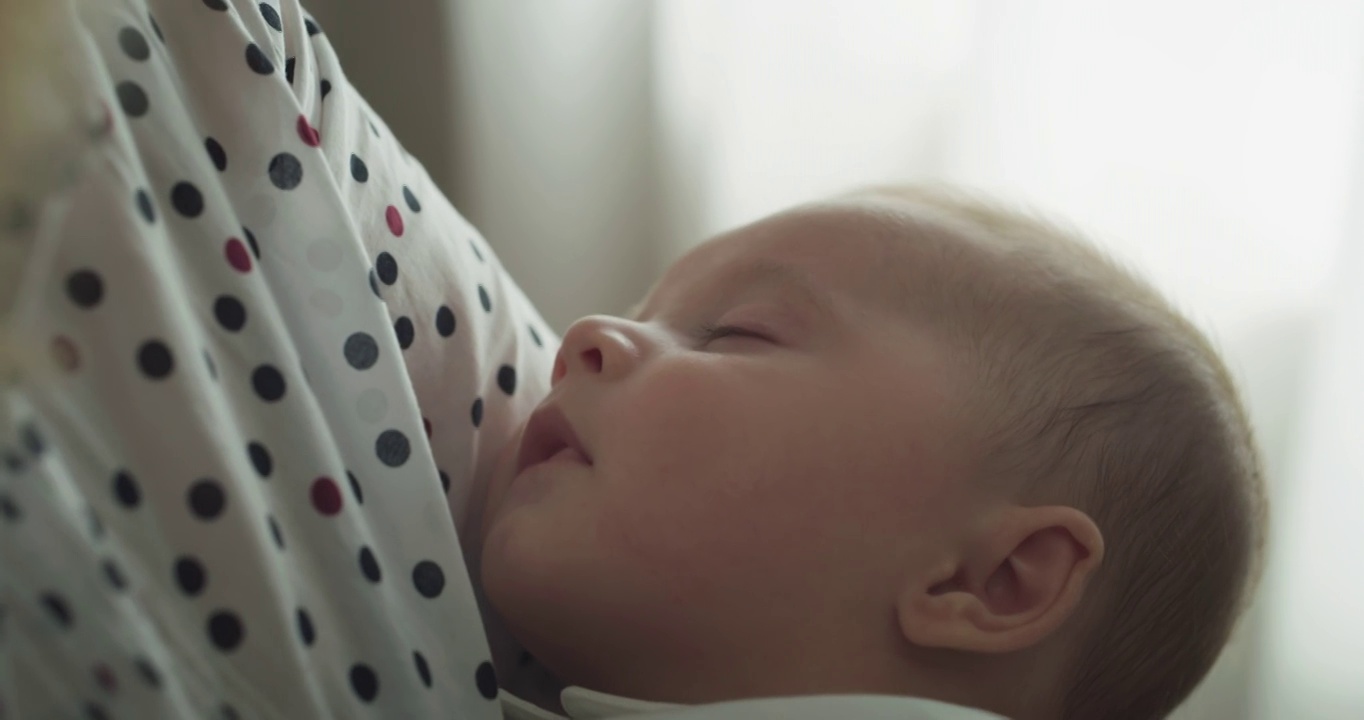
[
  {"x": 134, "y": 45},
  {"x": 405, "y": 332},
  {"x": 445, "y": 321},
  {"x": 212, "y": 368},
  {"x": 411, "y": 200},
  {"x": 358, "y": 170},
  {"x": 428, "y": 578},
  {"x": 114, "y": 575},
  {"x": 484, "y": 300},
  {"x": 85, "y": 288},
  {"x": 369, "y": 566},
  {"x": 289, "y": 70},
  {"x": 33, "y": 440},
  {"x": 126, "y": 489},
  {"x": 14, "y": 462},
  {"x": 476, "y": 412},
  {"x": 286, "y": 172},
  {"x": 474, "y": 247},
  {"x": 143, "y": 202},
  {"x": 56, "y": 607},
  {"x": 190, "y": 576},
  {"x": 268, "y": 383},
  {"x": 486, "y": 679},
  {"x": 257, "y": 61},
  {"x": 206, "y": 499},
  {"x": 132, "y": 98},
  {"x": 361, "y": 351},
  {"x": 156, "y": 29},
  {"x": 94, "y": 711},
  {"x": 216, "y": 153},
  {"x": 9, "y": 509},
  {"x": 271, "y": 17},
  {"x": 355, "y": 488},
  {"x": 225, "y": 630},
  {"x": 260, "y": 458},
  {"x": 364, "y": 682},
  {"x": 326, "y": 86},
  {"x": 187, "y": 200},
  {"x": 148, "y": 672},
  {"x": 392, "y": 448},
  {"x": 387, "y": 268},
  {"x": 312, "y": 27},
  {"x": 251, "y": 240},
  {"x": 227, "y": 712},
  {"x": 305, "y": 627},
  {"x": 535, "y": 336},
  {"x": 230, "y": 312},
  {"x": 506, "y": 379},
  {"x": 155, "y": 359},
  {"x": 444, "y": 481},
  {"x": 219, "y": 5},
  {"x": 423, "y": 671},
  {"x": 275, "y": 533}
]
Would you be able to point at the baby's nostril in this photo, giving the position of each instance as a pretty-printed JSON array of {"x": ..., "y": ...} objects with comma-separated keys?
[{"x": 592, "y": 360}]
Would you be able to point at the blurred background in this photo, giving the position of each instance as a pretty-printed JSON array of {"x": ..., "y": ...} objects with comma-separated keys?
[{"x": 1214, "y": 144}]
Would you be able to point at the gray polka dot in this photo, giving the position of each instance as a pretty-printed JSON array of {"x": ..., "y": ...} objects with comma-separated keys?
[
  {"x": 372, "y": 405},
  {"x": 361, "y": 351},
  {"x": 324, "y": 255}
]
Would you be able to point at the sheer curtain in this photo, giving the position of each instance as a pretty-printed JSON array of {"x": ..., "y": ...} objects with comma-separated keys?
[{"x": 1215, "y": 144}]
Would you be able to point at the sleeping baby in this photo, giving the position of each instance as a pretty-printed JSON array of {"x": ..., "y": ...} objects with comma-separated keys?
[
  {"x": 280, "y": 437},
  {"x": 898, "y": 443}
]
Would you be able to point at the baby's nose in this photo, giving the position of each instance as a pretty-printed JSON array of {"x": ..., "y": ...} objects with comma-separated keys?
[{"x": 597, "y": 346}]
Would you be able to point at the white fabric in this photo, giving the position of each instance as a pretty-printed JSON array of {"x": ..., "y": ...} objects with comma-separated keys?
[
  {"x": 583, "y": 704},
  {"x": 210, "y": 405}
]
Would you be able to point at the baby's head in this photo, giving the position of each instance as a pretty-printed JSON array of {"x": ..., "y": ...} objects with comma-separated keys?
[{"x": 899, "y": 442}]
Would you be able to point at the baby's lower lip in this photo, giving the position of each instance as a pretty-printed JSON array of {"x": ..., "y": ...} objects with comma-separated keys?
[
  {"x": 535, "y": 480},
  {"x": 567, "y": 455}
]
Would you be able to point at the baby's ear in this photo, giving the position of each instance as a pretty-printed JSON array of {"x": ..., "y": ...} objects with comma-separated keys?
[{"x": 1010, "y": 588}]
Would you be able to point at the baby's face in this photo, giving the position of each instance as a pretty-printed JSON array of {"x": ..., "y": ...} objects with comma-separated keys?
[{"x": 760, "y": 456}]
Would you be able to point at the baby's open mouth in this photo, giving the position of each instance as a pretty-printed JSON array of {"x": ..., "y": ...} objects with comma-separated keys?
[{"x": 549, "y": 437}]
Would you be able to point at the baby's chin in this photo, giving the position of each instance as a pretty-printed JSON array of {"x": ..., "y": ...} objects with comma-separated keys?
[{"x": 489, "y": 484}]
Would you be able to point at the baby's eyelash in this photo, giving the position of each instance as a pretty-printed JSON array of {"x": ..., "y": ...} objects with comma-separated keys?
[{"x": 715, "y": 332}]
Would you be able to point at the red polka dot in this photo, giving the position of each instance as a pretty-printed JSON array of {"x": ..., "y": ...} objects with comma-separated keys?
[
  {"x": 65, "y": 354},
  {"x": 326, "y": 496},
  {"x": 105, "y": 677},
  {"x": 427, "y": 423},
  {"x": 395, "y": 220},
  {"x": 308, "y": 133},
  {"x": 237, "y": 255}
]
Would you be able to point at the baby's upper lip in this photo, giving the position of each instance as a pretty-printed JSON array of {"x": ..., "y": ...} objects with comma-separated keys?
[{"x": 547, "y": 432}]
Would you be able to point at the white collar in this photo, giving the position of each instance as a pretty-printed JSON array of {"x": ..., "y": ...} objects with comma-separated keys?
[
  {"x": 583, "y": 704},
  {"x": 580, "y": 704}
]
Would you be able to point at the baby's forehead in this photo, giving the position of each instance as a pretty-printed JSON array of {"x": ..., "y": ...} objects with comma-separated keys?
[{"x": 869, "y": 250}]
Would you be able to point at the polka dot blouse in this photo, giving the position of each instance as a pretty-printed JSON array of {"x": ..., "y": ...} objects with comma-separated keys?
[{"x": 274, "y": 361}]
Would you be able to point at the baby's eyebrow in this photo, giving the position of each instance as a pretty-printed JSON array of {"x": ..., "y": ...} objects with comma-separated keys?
[
  {"x": 782, "y": 275},
  {"x": 761, "y": 273}
]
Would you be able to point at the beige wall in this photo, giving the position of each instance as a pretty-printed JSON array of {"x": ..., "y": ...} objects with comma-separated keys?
[{"x": 535, "y": 118}]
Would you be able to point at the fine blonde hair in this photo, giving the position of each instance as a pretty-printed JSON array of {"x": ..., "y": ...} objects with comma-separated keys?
[{"x": 1091, "y": 390}]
